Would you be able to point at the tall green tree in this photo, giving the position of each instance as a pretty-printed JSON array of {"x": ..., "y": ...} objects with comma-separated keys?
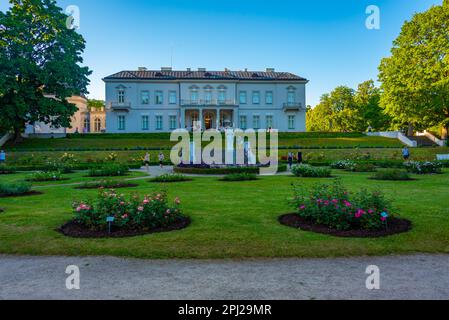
[
  {"x": 415, "y": 78},
  {"x": 367, "y": 99},
  {"x": 40, "y": 65}
]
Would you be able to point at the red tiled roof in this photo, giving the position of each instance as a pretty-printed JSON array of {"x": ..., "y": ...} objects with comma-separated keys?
[{"x": 205, "y": 75}]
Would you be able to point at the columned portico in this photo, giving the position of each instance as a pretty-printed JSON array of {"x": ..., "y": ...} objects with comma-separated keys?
[{"x": 209, "y": 118}]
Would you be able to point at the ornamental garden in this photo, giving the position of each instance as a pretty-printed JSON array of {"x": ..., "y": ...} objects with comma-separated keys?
[{"x": 352, "y": 196}]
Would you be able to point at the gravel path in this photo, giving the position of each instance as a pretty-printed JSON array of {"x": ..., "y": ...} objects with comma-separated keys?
[{"x": 401, "y": 277}]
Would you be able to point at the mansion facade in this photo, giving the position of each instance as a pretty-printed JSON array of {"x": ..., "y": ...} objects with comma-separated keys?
[{"x": 164, "y": 100}]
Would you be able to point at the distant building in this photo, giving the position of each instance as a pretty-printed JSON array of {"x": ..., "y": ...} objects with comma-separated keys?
[
  {"x": 164, "y": 100},
  {"x": 85, "y": 120}
]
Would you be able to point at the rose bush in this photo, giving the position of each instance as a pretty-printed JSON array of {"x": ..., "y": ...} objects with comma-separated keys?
[
  {"x": 135, "y": 213},
  {"x": 333, "y": 206}
]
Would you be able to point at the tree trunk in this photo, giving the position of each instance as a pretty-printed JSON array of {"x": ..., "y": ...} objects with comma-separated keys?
[
  {"x": 410, "y": 130},
  {"x": 17, "y": 135}
]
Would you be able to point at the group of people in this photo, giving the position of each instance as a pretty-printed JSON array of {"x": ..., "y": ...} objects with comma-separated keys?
[
  {"x": 291, "y": 158},
  {"x": 147, "y": 160}
]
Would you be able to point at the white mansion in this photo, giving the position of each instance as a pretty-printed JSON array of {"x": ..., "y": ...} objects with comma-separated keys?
[{"x": 164, "y": 100}]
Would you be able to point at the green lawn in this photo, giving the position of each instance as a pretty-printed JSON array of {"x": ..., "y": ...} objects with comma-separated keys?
[
  {"x": 76, "y": 177},
  {"x": 126, "y": 141},
  {"x": 230, "y": 220}
]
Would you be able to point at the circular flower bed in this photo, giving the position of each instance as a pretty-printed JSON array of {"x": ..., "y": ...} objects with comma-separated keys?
[
  {"x": 114, "y": 215},
  {"x": 331, "y": 209}
]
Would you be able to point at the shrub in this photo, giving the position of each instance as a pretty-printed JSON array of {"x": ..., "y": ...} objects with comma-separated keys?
[
  {"x": 13, "y": 189},
  {"x": 425, "y": 167},
  {"x": 342, "y": 164},
  {"x": 334, "y": 207},
  {"x": 170, "y": 178},
  {"x": 305, "y": 170},
  {"x": 239, "y": 177},
  {"x": 391, "y": 174},
  {"x": 62, "y": 167},
  {"x": 153, "y": 211},
  {"x": 105, "y": 184},
  {"x": 204, "y": 169},
  {"x": 41, "y": 176},
  {"x": 109, "y": 170},
  {"x": 361, "y": 167},
  {"x": 6, "y": 169}
]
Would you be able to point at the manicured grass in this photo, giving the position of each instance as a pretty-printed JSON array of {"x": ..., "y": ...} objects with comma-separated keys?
[
  {"x": 158, "y": 141},
  {"x": 231, "y": 221},
  {"x": 75, "y": 177}
]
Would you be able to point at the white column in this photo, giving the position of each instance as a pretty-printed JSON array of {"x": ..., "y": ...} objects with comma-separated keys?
[
  {"x": 218, "y": 119},
  {"x": 201, "y": 118}
]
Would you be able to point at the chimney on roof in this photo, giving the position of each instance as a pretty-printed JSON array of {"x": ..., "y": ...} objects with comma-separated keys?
[
  {"x": 166, "y": 68},
  {"x": 202, "y": 69},
  {"x": 226, "y": 70},
  {"x": 246, "y": 69},
  {"x": 270, "y": 70},
  {"x": 189, "y": 69},
  {"x": 142, "y": 69}
]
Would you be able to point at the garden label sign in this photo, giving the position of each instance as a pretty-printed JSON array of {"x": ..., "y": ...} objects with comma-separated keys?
[{"x": 110, "y": 220}]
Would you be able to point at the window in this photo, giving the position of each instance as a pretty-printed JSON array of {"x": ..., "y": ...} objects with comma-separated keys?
[
  {"x": 291, "y": 97},
  {"x": 208, "y": 96},
  {"x": 121, "y": 122},
  {"x": 159, "y": 123},
  {"x": 256, "y": 97},
  {"x": 256, "y": 122},
  {"x": 121, "y": 96},
  {"x": 222, "y": 96},
  {"x": 87, "y": 124},
  {"x": 172, "y": 99},
  {"x": 173, "y": 123},
  {"x": 97, "y": 125},
  {"x": 269, "y": 121},
  {"x": 269, "y": 97},
  {"x": 291, "y": 122},
  {"x": 243, "y": 123},
  {"x": 145, "y": 123},
  {"x": 243, "y": 97},
  {"x": 194, "y": 96},
  {"x": 159, "y": 97},
  {"x": 145, "y": 97}
]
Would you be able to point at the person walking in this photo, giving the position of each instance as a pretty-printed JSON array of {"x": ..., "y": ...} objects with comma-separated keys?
[
  {"x": 161, "y": 159},
  {"x": 2, "y": 156},
  {"x": 299, "y": 158},
  {"x": 146, "y": 161},
  {"x": 290, "y": 160},
  {"x": 406, "y": 153}
]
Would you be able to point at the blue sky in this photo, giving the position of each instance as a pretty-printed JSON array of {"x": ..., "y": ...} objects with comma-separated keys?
[{"x": 325, "y": 41}]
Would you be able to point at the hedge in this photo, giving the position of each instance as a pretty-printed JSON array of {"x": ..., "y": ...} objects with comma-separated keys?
[{"x": 221, "y": 171}]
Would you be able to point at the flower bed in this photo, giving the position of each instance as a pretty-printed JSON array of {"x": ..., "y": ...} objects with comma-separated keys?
[
  {"x": 361, "y": 167},
  {"x": 7, "y": 169},
  {"x": 106, "y": 184},
  {"x": 170, "y": 178},
  {"x": 18, "y": 189},
  {"x": 131, "y": 216},
  {"x": 424, "y": 167},
  {"x": 208, "y": 170},
  {"x": 308, "y": 171},
  {"x": 342, "y": 164},
  {"x": 333, "y": 210},
  {"x": 391, "y": 174},
  {"x": 109, "y": 170},
  {"x": 42, "y": 176}
]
